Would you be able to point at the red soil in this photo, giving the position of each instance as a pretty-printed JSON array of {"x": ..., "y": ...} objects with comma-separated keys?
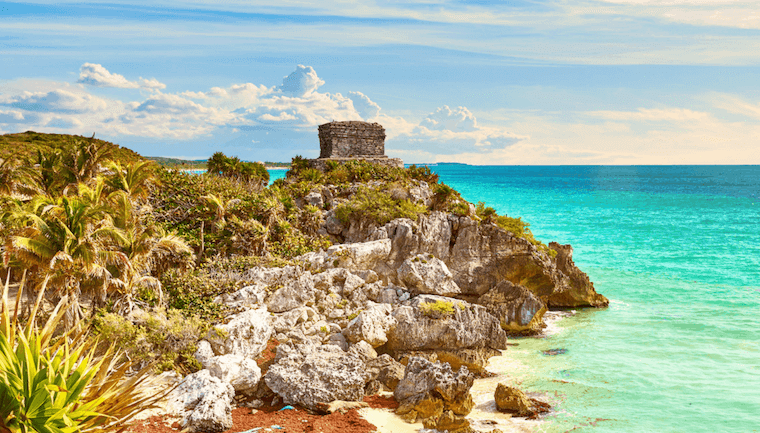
[{"x": 291, "y": 420}]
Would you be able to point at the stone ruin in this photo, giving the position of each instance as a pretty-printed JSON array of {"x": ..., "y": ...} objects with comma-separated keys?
[{"x": 350, "y": 140}]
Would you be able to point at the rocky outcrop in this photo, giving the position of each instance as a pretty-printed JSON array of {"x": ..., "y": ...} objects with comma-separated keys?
[
  {"x": 426, "y": 274},
  {"x": 519, "y": 311},
  {"x": 514, "y": 401},
  {"x": 203, "y": 402},
  {"x": 434, "y": 394},
  {"x": 480, "y": 255},
  {"x": 581, "y": 292},
  {"x": 311, "y": 376},
  {"x": 450, "y": 328}
]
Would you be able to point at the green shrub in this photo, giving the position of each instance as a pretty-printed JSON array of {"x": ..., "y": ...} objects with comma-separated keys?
[
  {"x": 437, "y": 308},
  {"x": 54, "y": 383},
  {"x": 378, "y": 207},
  {"x": 166, "y": 338}
]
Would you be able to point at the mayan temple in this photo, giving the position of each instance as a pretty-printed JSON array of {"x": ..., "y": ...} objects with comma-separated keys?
[{"x": 349, "y": 140}]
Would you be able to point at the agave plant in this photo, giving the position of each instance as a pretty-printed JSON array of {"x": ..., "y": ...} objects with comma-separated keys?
[{"x": 60, "y": 385}]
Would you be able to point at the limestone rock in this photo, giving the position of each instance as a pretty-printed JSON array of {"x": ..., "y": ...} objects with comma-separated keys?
[
  {"x": 426, "y": 274},
  {"x": 295, "y": 293},
  {"x": 435, "y": 322},
  {"x": 363, "y": 351},
  {"x": 512, "y": 400},
  {"x": 430, "y": 390},
  {"x": 247, "y": 297},
  {"x": 386, "y": 370},
  {"x": 518, "y": 310},
  {"x": 203, "y": 402},
  {"x": 581, "y": 290},
  {"x": 360, "y": 256},
  {"x": 475, "y": 359},
  {"x": 242, "y": 373},
  {"x": 203, "y": 352},
  {"x": 310, "y": 375},
  {"x": 246, "y": 334},
  {"x": 314, "y": 198},
  {"x": 371, "y": 325}
]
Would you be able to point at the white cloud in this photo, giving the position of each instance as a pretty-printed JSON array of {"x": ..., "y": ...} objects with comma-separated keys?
[
  {"x": 57, "y": 101},
  {"x": 444, "y": 118},
  {"x": 363, "y": 105},
  {"x": 94, "y": 74},
  {"x": 448, "y": 132},
  {"x": 301, "y": 82},
  {"x": 11, "y": 117}
]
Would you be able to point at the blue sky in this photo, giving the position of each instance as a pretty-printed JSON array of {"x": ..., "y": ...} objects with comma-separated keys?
[{"x": 507, "y": 82}]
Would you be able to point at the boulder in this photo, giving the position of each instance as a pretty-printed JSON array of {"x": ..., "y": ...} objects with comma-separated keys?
[
  {"x": 360, "y": 256},
  {"x": 518, "y": 309},
  {"x": 245, "y": 298},
  {"x": 474, "y": 359},
  {"x": 512, "y": 400},
  {"x": 296, "y": 292},
  {"x": 246, "y": 334},
  {"x": 371, "y": 325},
  {"x": 363, "y": 351},
  {"x": 436, "y": 322},
  {"x": 426, "y": 274},
  {"x": 385, "y": 370},
  {"x": 242, "y": 373},
  {"x": 203, "y": 402},
  {"x": 310, "y": 376},
  {"x": 434, "y": 394}
]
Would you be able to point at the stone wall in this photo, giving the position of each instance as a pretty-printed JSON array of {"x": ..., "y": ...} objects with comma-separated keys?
[{"x": 351, "y": 139}]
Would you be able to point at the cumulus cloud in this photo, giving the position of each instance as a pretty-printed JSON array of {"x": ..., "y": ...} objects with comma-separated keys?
[
  {"x": 363, "y": 105},
  {"x": 245, "y": 114},
  {"x": 56, "y": 101},
  {"x": 301, "y": 82},
  {"x": 444, "y": 118},
  {"x": 96, "y": 75},
  {"x": 448, "y": 132},
  {"x": 11, "y": 117}
]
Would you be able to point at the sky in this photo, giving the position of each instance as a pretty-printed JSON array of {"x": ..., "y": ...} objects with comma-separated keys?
[{"x": 513, "y": 82}]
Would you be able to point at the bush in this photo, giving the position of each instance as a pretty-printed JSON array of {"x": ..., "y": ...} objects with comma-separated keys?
[
  {"x": 378, "y": 207},
  {"x": 166, "y": 338}
]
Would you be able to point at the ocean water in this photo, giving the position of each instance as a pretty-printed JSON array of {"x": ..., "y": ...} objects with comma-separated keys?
[{"x": 676, "y": 249}]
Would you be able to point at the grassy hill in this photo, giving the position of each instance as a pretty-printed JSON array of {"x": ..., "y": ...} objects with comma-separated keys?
[{"x": 26, "y": 144}]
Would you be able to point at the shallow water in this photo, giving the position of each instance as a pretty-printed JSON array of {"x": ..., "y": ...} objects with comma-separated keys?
[{"x": 677, "y": 251}]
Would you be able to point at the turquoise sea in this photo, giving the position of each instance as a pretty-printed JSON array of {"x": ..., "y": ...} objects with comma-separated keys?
[{"x": 676, "y": 249}]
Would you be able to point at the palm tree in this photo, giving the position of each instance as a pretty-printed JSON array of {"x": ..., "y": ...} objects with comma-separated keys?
[
  {"x": 17, "y": 177},
  {"x": 63, "y": 242},
  {"x": 135, "y": 179},
  {"x": 149, "y": 251},
  {"x": 86, "y": 158}
]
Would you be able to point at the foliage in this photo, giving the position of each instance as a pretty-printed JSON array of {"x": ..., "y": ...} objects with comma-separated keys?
[
  {"x": 516, "y": 226},
  {"x": 61, "y": 385},
  {"x": 226, "y": 216},
  {"x": 378, "y": 207},
  {"x": 166, "y": 338},
  {"x": 437, "y": 308},
  {"x": 222, "y": 165},
  {"x": 356, "y": 171},
  {"x": 26, "y": 146}
]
